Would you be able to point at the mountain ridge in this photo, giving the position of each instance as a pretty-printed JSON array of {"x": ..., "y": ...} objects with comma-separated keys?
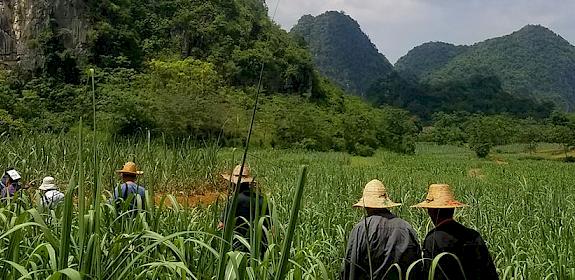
[
  {"x": 342, "y": 51},
  {"x": 531, "y": 62}
]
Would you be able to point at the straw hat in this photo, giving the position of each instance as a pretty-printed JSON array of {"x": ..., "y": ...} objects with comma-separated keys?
[
  {"x": 130, "y": 168},
  {"x": 440, "y": 196},
  {"x": 375, "y": 196},
  {"x": 48, "y": 184},
  {"x": 246, "y": 178}
]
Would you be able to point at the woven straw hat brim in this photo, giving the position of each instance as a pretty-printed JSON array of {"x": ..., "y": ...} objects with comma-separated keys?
[
  {"x": 130, "y": 172},
  {"x": 235, "y": 179},
  {"x": 440, "y": 205},
  {"x": 378, "y": 203}
]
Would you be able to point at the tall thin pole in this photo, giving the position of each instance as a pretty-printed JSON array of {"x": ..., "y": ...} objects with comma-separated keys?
[
  {"x": 230, "y": 211},
  {"x": 94, "y": 143}
]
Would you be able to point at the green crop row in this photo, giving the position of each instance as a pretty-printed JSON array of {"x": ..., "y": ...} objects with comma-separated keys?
[{"x": 524, "y": 210}]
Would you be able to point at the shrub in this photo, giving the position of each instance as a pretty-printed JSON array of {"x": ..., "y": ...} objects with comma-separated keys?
[
  {"x": 481, "y": 149},
  {"x": 363, "y": 150}
]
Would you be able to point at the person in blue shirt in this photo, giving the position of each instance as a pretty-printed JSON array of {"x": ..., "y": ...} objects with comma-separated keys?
[{"x": 129, "y": 190}]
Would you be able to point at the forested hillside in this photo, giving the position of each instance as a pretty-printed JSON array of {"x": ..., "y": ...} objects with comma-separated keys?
[
  {"x": 427, "y": 58},
  {"x": 531, "y": 62},
  {"x": 341, "y": 51},
  {"x": 478, "y": 94},
  {"x": 185, "y": 68}
]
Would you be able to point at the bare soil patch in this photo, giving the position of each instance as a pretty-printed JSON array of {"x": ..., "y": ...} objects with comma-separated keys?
[{"x": 192, "y": 199}]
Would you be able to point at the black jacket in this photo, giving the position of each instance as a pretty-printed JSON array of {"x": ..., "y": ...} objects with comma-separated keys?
[
  {"x": 245, "y": 214},
  {"x": 389, "y": 240},
  {"x": 467, "y": 244}
]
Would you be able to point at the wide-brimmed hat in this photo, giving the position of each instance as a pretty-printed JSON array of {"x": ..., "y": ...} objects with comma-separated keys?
[
  {"x": 440, "y": 196},
  {"x": 235, "y": 177},
  {"x": 375, "y": 196},
  {"x": 130, "y": 168},
  {"x": 48, "y": 184}
]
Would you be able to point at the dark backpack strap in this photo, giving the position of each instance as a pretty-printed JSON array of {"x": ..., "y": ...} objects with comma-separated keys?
[
  {"x": 125, "y": 191},
  {"x": 44, "y": 200}
]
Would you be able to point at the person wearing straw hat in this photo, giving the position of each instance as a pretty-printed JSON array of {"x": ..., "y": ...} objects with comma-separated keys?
[
  {"x": 449, "y": 236},
  {"x": 51, "y": 196},
  {"x": 247, "y": 202},
  {"x": 379, "y": 240},
  {"x": 129, "y": 189}
]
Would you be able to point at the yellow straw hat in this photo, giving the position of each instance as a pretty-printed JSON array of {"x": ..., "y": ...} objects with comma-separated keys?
[
  {"x": 235, "y": 177},
  {"x": 130, "y": 168},
  {"x": 440, "y": 196},
  {"x": 375, "y": 196}
]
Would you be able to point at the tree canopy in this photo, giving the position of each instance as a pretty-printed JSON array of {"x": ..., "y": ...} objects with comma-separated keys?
[{"x": 190, "y": 69}]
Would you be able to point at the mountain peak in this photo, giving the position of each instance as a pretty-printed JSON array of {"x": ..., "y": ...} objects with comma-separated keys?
[
  {"x": 530, "y": 28},
  {"x": 342, "y": 51},
  {"x": 537, "y": 32}
]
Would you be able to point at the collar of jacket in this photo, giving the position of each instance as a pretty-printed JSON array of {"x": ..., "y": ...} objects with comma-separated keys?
[
  {"x": 445, "y": 222},
  {"x": 383, "y": 213}
]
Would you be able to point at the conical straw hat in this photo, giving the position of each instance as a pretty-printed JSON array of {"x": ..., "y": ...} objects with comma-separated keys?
[
  {"x": 130, "y": 168},
  {"x": 375, "y": 196},
  {"x": 440, "y": 196},
  {"x": 235, "y": 177}
]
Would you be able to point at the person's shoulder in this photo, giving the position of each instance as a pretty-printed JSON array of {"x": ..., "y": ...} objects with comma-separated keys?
[
  {"x": 455, "y": 229},
  {"x": 361, "y": 224},
  {"x": 244, "y": 196},
  {"x": 397, "y": 222},
  {"x": 467, "y": 231},
  {"x": 474, "y": 237},
  {"x": 441, "y": 232}
]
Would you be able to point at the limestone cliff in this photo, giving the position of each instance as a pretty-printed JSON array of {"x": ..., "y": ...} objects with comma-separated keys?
[{"x": 23, "y": 21}]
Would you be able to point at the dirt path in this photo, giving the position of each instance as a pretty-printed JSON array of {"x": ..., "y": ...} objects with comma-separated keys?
[{"x": 192, "y": 200}]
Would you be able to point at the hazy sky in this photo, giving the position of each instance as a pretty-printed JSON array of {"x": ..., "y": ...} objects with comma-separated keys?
[{"x": 396, "y": 26}]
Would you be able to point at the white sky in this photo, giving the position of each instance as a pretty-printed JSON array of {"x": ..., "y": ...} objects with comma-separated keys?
[{"x": 396, "y": 26}]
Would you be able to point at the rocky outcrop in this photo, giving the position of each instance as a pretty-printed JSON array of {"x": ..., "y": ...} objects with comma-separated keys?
[{"x": 23, "y": 21}]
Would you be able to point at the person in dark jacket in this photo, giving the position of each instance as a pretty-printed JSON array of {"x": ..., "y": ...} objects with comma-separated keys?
[
  {"x": 379, "y": 240},
  {"x": 249, "y": 200},
  {"x": 452, "y": 237},
  {"x": 129, "y": 189}
]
